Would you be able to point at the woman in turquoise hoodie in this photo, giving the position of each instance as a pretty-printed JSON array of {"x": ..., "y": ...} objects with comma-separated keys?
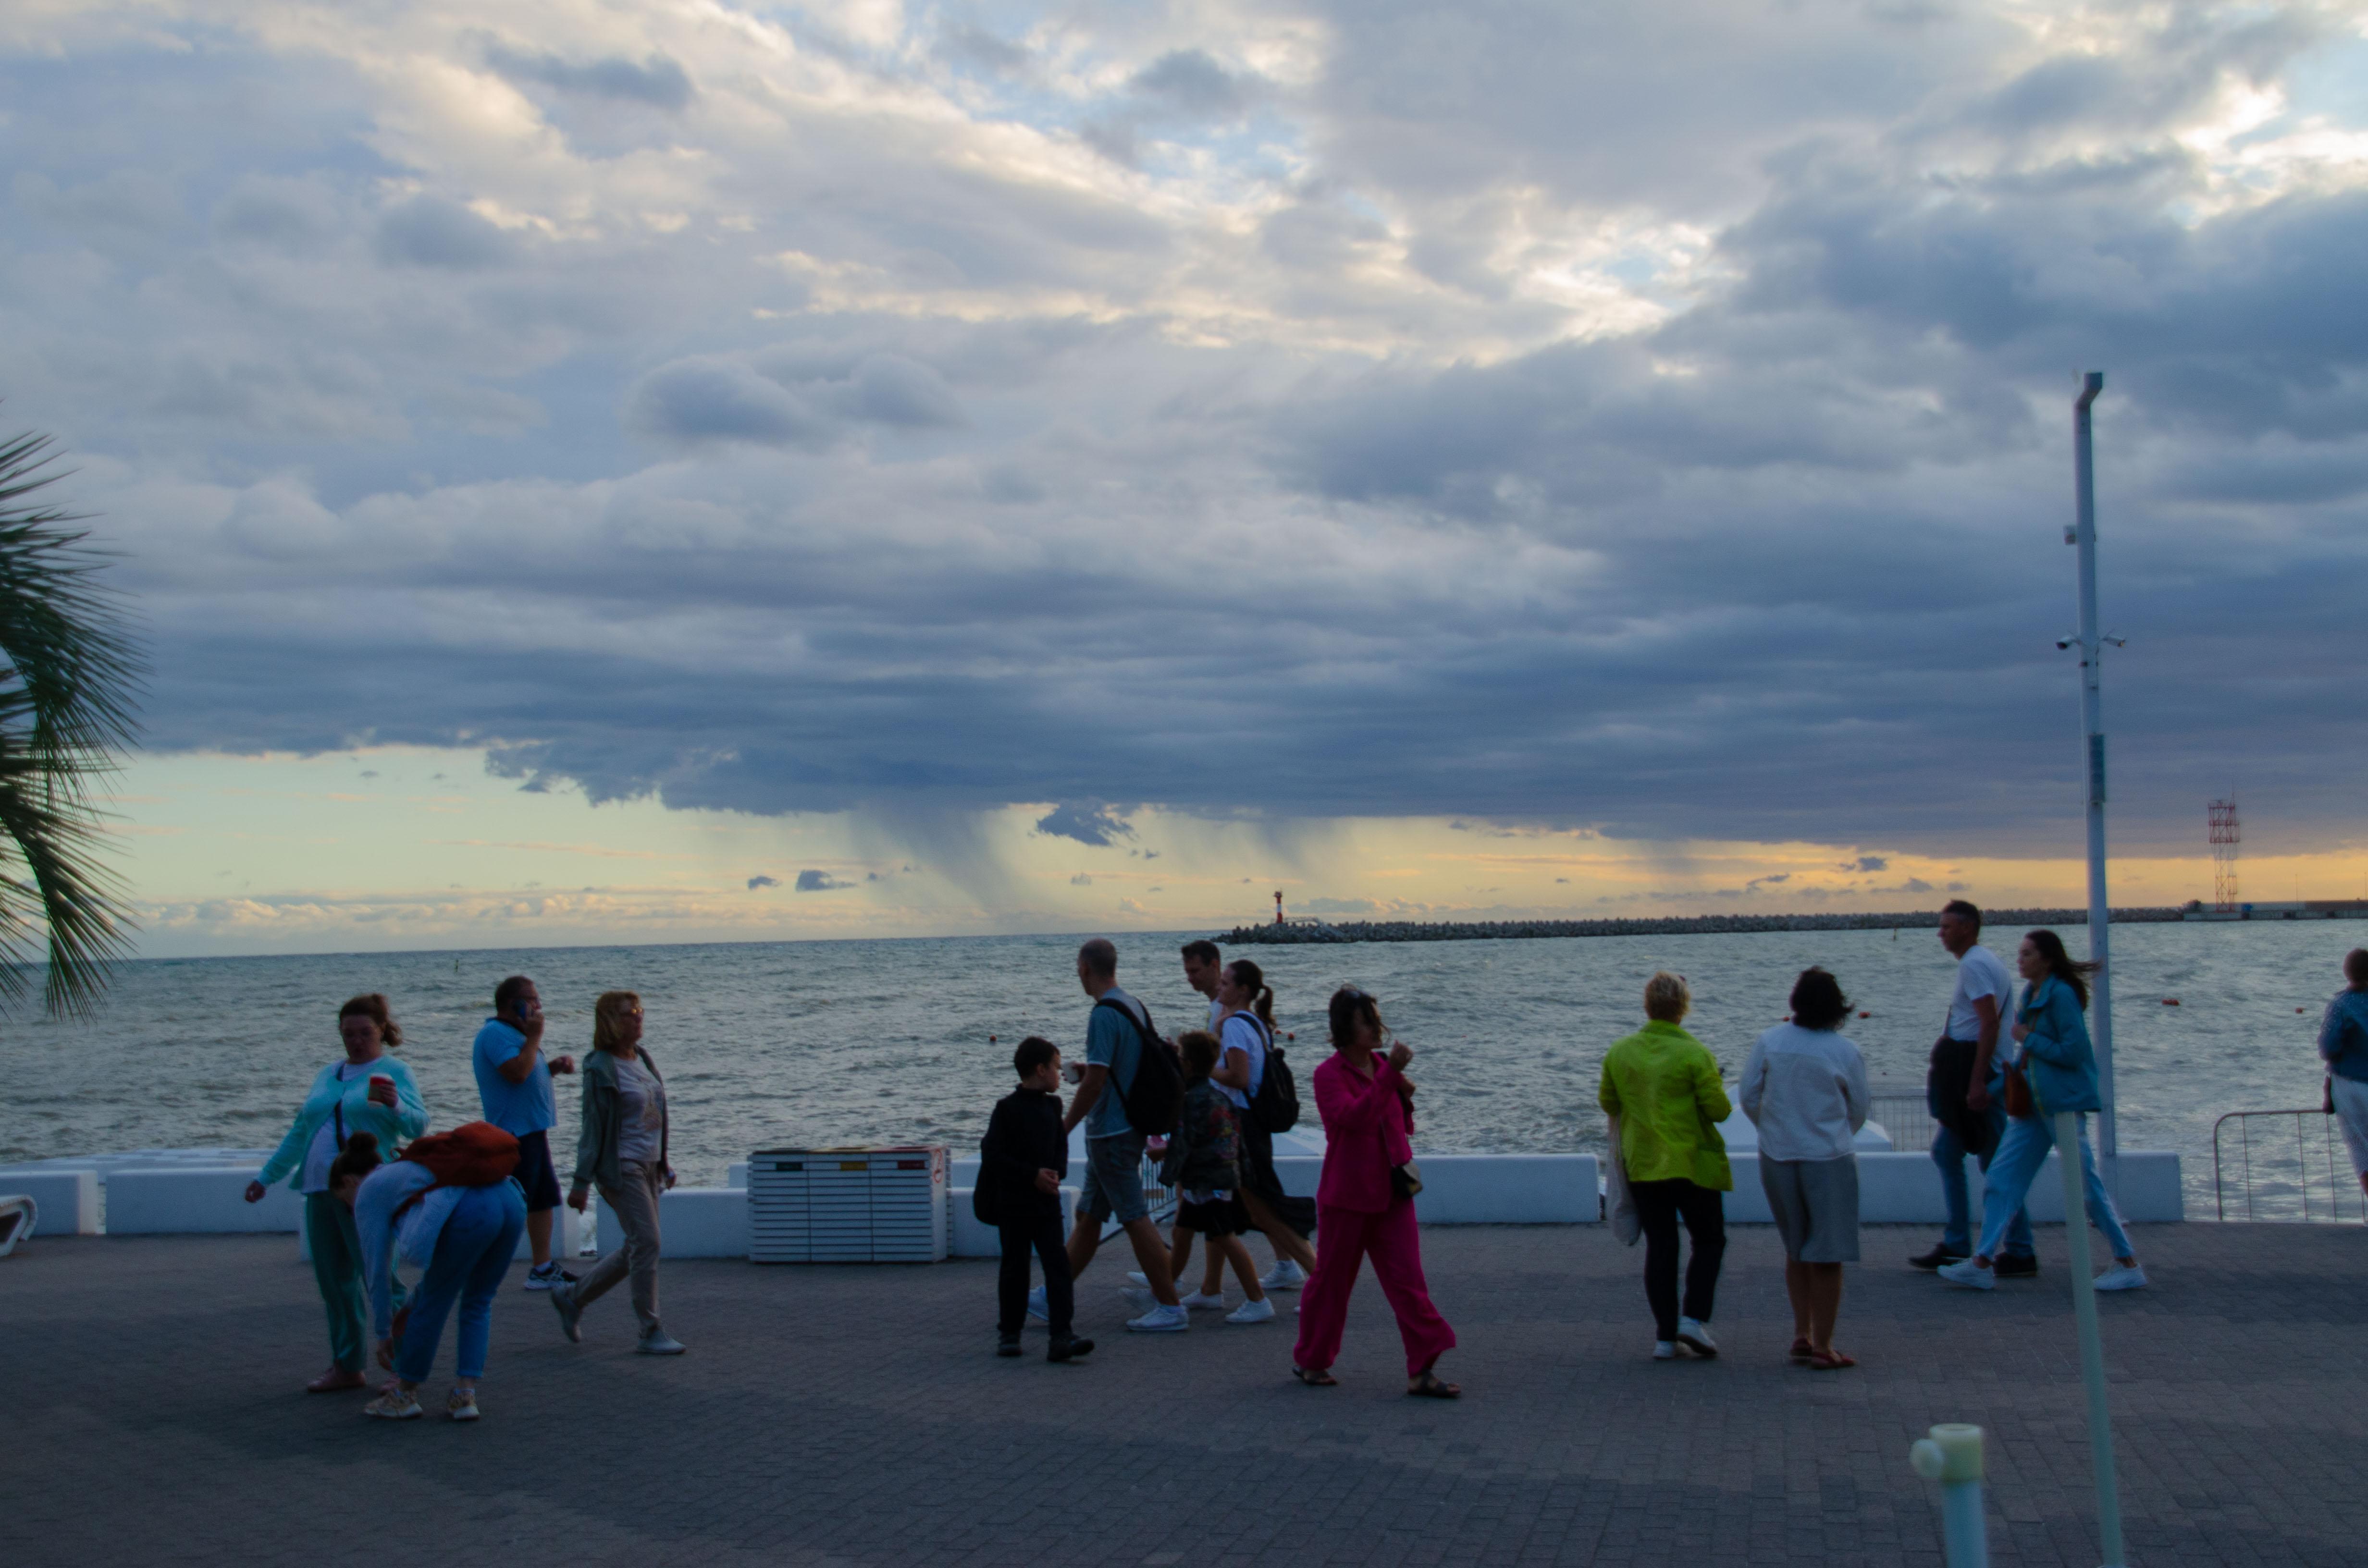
[
  {"x": 2061, "y": 1067},
  {"x": 364, "y": 1091}
]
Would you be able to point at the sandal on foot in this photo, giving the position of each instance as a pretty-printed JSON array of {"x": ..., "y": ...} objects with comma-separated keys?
[
  {"x": 1829, "y": 1361},
  {"x": 337, "y": 1379},
  {"x": 1316, "y": 1377},
  {"x": 1801, "y": 1350},
  {"x": 1428, "y": 1386}
]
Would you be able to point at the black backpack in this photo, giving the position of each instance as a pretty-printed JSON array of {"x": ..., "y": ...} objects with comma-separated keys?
[
  {"x": 1275, "y": 1108},
  {"x": 1154, "y": 1099}
]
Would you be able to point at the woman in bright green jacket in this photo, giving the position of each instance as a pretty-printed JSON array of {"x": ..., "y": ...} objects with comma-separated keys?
[
  {"x": 365, "y": 1091},
  {"x": 1662, "y": 1086}
]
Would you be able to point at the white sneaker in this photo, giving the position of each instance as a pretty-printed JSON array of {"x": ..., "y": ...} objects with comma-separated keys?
[
  {"x": 1138, "y": 1297},
  {"x": 1665, "y": 1350},
  {"x": 1694, "y": 1334},
  {"x": 1161, "y": 1319},
  {"x": 1284, "y": 1276},
  {"x": 394, "y": 1405},
  {"x": 460, "y": 1404},
  {"x": 1968, "y": 1275},
  {"x": 1037, "y": 1311},
  {"x": 1200, "y": 1300},
  {"x": 658, "y": 1342},
  {"x": 1252, "y": 1312},
  {"x": 2118, "y": 1279}
]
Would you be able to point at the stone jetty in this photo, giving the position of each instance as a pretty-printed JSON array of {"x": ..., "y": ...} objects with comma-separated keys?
[{"x": 1298, "y": 931}]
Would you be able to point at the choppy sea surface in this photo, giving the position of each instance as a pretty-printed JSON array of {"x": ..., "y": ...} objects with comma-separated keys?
[{"x": 765, "y": 1045}]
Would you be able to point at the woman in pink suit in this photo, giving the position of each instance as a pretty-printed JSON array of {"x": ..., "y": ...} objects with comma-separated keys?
[{"x": 1362, "y": 1098}]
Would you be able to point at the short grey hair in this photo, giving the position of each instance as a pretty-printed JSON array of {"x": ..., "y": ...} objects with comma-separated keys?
[
  {"x": 1099, "y": 956},
  {"x": 1668, "y": 998}
]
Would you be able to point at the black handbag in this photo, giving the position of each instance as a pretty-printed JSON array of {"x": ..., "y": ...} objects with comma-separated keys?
[{"x": 1406, "y": 1180}]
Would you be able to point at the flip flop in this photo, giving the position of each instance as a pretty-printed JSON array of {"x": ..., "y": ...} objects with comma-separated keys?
[
  {"x": 1316, "y": 1377},
  {"x": 1800, "y": 1351},
  {"x": 1428, "y": 1386},
  {"x": 1829, "y": 1361}
]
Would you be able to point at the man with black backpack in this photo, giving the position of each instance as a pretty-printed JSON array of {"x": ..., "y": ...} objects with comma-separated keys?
[{"x": 1132, "y": 1090}]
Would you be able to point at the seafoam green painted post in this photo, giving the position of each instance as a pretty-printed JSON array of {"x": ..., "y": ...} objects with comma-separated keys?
[
  {"x": 1952, "y": 1455},
  {"x": 2092, "y": 1345}
]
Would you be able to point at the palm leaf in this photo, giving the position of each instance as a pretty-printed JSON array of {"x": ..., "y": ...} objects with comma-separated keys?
[{"x": 72, "y": 674}]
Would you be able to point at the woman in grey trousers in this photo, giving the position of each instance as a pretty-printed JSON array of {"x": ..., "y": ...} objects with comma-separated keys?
[{"x": 622, "y": 1147}]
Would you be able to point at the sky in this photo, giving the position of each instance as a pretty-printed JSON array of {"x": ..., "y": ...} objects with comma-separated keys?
[{"x": 685, "y": 471}]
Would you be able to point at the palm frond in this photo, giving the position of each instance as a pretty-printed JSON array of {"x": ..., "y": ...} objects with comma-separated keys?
[{"x": 68, "y": 690}]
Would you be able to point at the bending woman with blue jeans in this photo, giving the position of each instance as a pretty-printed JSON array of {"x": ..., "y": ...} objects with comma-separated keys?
[
  {"x": 463, "y": 1236},
  {"x": 2061, "y": 1065}
]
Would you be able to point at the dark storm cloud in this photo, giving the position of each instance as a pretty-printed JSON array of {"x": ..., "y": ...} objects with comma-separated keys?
[
  {"x": 657, "y": 81},
  {"x": 427, "y": 230},
  {"x": 818, "y": 464},
  {"x": 820, "y": 881},
  {"x": 761, "y": 880},
  {"x": 1087, "y": 823}
]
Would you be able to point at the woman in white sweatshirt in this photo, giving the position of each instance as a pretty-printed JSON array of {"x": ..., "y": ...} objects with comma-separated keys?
[{"x": 1804, "y": 1089}]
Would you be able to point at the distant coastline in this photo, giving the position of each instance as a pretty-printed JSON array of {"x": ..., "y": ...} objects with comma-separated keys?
[{"x": 1307, "y": 931}]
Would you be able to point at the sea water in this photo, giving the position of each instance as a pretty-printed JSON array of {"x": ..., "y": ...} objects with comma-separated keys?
[{"x": 818, "y": 1043}]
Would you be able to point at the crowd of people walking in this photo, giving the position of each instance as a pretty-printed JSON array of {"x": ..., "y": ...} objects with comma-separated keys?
[{"x": 1206, "y": 1105}]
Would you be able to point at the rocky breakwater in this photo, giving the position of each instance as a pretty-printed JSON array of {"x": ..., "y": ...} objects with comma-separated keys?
[{"x": 1307, "y": 931}]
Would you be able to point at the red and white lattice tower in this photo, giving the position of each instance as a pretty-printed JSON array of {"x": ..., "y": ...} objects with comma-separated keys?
[{"x": 2222, "y": 814}]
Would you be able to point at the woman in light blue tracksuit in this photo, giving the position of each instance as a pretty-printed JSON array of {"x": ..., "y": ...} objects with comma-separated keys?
[
  {"x": 464, "y": 1237},
  {"x": 2061, "y": 1067}
]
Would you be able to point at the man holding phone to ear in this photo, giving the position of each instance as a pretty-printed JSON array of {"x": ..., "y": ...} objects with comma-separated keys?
[{"x": 514, "y": 1083}]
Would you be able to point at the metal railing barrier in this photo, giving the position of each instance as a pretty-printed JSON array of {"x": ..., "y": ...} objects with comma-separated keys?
[{"x": 2300, "y": 1171}]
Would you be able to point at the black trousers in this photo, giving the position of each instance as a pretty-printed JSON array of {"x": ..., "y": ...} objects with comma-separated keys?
[
  {"x": 1038, "y": 1232},
  {"x": 1659, "y": 1206}
]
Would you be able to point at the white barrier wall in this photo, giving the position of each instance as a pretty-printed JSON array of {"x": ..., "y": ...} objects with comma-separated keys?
[
  {"x": 1898, "y": 1189},
  {"x": 195, "y": 1199},
  {"x": 972, "y": 1239},
  {"x": 698, "y": 1222},
  {"x": 1460, "y": 1190},
  {"x": 66, "y": 1201}
]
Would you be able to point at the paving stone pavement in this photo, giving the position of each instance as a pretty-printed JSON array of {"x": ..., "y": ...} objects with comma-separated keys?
[{"x": 151, "y": 1411}]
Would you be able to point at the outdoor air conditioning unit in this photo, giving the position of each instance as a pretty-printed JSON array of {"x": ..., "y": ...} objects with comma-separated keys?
[{"x": 847, "y": 1205}]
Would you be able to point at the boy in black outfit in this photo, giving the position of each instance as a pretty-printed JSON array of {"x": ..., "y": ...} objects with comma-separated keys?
[{"x": 1021, "y": 1162}]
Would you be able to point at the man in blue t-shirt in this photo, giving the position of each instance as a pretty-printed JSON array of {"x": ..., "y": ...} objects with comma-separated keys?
[
  {"x": 514, "y": 1083},
  {"x": 1114, "y": 1146}
]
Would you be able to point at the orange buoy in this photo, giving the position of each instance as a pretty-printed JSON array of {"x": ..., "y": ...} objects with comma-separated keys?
[
  {"x": 2170, "y": 1001},
  {"x": 1866, "y": 1015}
]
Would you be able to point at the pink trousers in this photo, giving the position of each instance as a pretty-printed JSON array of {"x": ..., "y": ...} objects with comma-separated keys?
[{"x": 1346, "y": 1238}]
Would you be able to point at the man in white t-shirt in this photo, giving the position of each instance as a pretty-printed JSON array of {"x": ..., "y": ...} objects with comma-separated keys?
[{"x": 1966, "y": 1090}]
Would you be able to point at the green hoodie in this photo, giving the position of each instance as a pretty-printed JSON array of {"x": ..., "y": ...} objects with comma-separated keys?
[{"x": 1664, "y": 1087}]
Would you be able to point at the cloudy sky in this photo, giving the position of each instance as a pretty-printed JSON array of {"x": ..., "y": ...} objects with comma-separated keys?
[{"x": 667, "y": 471}]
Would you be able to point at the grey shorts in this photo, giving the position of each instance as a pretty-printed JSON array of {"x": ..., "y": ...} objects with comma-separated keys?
[
  {"x": 1114, "y": 1179},
  {"x": 1815, "y": 1204}
]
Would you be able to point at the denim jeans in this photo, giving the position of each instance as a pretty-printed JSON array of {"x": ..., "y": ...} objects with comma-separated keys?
[
  {"x": 1948, "y": 1153},
  {"x": 2016, "y": 1165},
  {"x": 473, "y": 1259}
]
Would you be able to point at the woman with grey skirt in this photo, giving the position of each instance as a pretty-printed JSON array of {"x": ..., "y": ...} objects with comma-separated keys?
[
  {"x": 1804, "y": 1089},
  {"x": 624, "y": 1147}
]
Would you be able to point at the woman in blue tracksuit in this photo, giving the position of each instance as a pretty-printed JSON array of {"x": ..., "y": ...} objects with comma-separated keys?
[
  {"x": 463, "y": 1236},
  {"x": 2061, "y": 1067}
]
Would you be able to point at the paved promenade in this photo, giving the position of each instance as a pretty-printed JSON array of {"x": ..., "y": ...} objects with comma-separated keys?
[{"x": 151, "y": 1412}]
